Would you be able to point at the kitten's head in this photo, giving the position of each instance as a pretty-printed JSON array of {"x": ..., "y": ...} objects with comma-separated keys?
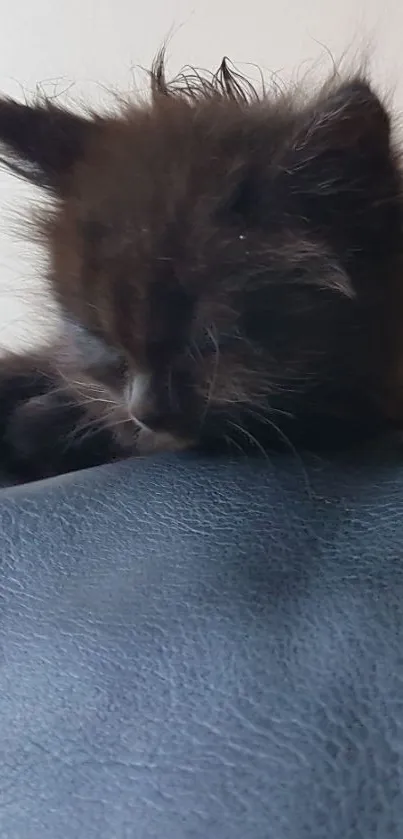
[{"x": 223, "y": 258}]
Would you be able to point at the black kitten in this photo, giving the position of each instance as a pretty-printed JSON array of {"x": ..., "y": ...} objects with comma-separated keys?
[{"x": 228, "y": 268}]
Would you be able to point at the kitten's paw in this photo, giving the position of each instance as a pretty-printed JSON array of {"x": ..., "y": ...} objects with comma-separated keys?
[
  {"x": 29, "y": 439},
  {"x": 42, "y": 439}
]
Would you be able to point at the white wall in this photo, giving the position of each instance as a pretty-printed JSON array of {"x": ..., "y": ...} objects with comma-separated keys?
[{"x": 93, "y": 44}]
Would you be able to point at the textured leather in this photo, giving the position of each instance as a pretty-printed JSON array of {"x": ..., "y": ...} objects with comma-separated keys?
[{"x": 203, "y": 650}]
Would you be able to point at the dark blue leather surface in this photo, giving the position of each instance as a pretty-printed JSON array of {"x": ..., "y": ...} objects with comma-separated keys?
[{"x": 200, "y": 650}]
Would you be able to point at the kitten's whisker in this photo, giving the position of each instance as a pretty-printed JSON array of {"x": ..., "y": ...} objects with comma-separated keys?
[
  {"x": 280, "y": 412},
  {"x": 115, "y": 423},
  {"x": 287, "y": 442},
  {"x": 250, "y": 437},
  {"x": 280, "y": 433},
  {"x": 194, "y": 348},
  {"x": 231, "y": 442},
  {"x": 81, "y": 388},
  {"x": 81, "y": 431},
  {"x": 213, "y": 378},
  {"x": 90, "y": 400},
  {"x": 87, "y": 423},
  {"x": 263, "y": 418},
  {"x": 136, "y": 422},
  {"x": 86, "y": 384},
  {"x": 54, "y": 391}
]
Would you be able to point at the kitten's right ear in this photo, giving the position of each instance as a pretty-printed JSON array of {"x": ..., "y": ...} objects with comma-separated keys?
[{"x": 42, "y": 142}]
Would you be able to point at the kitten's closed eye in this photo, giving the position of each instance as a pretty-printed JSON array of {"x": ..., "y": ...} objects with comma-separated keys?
[{"x": 81, "y": 349}]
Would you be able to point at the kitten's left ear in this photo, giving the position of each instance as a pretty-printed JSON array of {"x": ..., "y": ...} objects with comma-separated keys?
[
  {"x": 343, "y": 142},
  {"x": 347, "y": 116},
  {"x": 342, "y": 175},
  {"x": 42, "y": 142}
]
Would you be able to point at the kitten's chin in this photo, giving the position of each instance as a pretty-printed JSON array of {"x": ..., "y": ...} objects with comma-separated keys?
[{"x": 158, "y": 441}]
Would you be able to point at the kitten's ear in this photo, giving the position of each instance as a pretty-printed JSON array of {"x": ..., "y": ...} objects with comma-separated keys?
[
  {"x": 342, "y": 148},
  {"x": 341, "y": 174},
  {"x": 348, "y": 116},
  {"x": 42, "y": 142}
]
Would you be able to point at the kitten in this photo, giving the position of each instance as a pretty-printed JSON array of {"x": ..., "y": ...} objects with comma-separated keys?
[{"x": 228, "y": 268}]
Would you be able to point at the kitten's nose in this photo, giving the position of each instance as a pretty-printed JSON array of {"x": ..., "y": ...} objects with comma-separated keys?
[{"x": 150, "y": 407}]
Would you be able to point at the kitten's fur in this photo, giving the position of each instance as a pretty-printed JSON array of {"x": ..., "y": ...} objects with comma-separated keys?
[{"x": 228, "y": 267}]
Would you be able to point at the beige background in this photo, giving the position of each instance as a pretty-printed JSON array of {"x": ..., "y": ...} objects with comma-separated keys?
[{"x": 81, "y": 48}]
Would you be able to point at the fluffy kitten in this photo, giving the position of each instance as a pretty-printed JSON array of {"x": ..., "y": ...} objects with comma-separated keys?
[{"x": 228, "y": 267}]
